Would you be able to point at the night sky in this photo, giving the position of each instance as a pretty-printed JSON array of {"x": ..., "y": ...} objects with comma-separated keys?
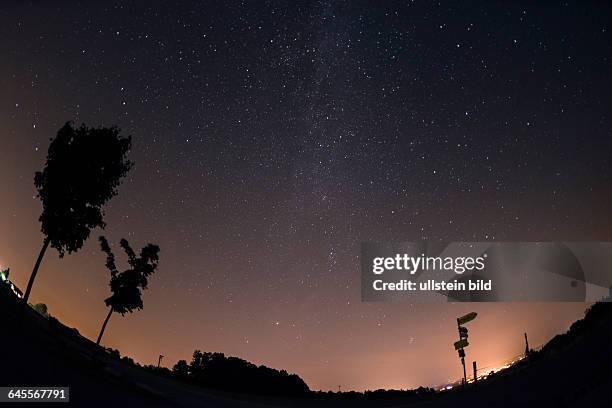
[{"x": 272, "y": 138}]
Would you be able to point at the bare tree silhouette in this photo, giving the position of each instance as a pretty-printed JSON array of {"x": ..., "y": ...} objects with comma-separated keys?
[
  {"x": 83, "y": 169},
  {"x": 126, "y": 286}
]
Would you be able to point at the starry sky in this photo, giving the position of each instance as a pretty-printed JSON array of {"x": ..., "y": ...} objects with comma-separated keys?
[{"x": 272, "y": 138}]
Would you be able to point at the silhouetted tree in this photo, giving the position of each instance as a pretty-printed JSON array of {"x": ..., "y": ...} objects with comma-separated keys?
[
  {"x": 126, "y": 286},
  {"x": 196, "y": 367},
  {"x": 181, "y": 369},
  {"x": 84, "y": 167}
]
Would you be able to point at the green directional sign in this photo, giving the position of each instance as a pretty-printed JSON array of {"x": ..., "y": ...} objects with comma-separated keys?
[
  {"x": 467, "y": 318},
  {"x": 461, "y": 344}
]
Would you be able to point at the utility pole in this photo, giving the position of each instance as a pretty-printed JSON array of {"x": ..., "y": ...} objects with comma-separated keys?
[
  {"x": 526, "y": 346},
  {"x": 159, "y": 360},
  {"x": 475, "y": 376}
]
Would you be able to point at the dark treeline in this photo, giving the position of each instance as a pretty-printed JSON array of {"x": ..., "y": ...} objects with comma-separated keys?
[
  {"x": 233, "y": 374},
  {"x": 597, "y": 319},
  {"x": 418, "y": 393},
  {"x": 221, "y": 372},
  {"x": 587, "y": 338}
]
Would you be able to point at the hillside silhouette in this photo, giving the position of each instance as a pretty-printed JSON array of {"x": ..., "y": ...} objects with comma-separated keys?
[{"x": 573, "y": 369}]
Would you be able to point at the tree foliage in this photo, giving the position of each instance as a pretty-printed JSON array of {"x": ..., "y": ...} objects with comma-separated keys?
[
  {"x": 126, "y": 286},
  {"x": 181, "y": 369},
  {"x": 83, "y": 170},
  {"x": 215, "y": 370}
]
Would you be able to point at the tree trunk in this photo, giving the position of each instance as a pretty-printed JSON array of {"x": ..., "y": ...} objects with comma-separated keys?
[
  {"x": 35, "y": 270},
  {"x": 110, "y": 312}
]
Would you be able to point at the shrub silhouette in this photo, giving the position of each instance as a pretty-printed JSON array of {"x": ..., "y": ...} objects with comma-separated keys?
[
  {"x": 126, "y": 286},
  {"x": 83, "y": 169},
  {"x": 41, "y": 308}
]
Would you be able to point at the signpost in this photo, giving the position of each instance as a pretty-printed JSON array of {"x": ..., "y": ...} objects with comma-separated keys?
[
  {"x": 462, "y": 343},
  {"x": 467, "y": 318}
]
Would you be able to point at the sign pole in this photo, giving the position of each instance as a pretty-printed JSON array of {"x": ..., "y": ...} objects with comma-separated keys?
[
  {"x": 462, "y": 358},
  {"x": 463, "y": 342}
]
